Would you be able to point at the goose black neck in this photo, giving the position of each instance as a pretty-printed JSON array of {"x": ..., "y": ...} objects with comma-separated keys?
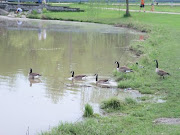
[
  {"x": 156, "y": 64},
  {"x": 117, "y": 64},
  {"x": 96, "y": 77},
  {"x": 30, "y": 71},
  {"x": 72, "y": 73}
]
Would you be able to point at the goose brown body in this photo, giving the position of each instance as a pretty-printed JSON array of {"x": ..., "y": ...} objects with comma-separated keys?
[
  {"x": 160, "y": 72},
  {"x": 33, "y": 75},
  {"x": 100, "y": 81},
  {"x": 123, "y": 68},
  {"x": 77, "y": 77}
]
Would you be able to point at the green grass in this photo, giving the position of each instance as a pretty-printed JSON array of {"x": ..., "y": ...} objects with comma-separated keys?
[
  {"x": 130, "y": 101},
  {"x": 160, "y": 8},
  {"x": 162, "y": 44},
  {"x": 145, "y": 98},
  {"x": 113, "y": 17},
  {"x": 88, "y": 112},
  {"x": 112, "y": 104}
]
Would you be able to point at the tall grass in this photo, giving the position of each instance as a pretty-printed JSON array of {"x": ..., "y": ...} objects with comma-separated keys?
[
  {"x": 88, "y": 112},
  {"x": 112, "y": 103}
]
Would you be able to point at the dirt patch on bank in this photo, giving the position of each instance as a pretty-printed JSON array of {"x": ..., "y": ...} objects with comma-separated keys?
[{"x": 170, "y": 121}]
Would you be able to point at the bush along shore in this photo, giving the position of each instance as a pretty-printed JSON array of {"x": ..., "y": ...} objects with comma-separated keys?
[{"x": 129, "y": 117}]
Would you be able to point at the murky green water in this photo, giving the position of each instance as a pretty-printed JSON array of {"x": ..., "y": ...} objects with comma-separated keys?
[{"x": 53, "y": 49}]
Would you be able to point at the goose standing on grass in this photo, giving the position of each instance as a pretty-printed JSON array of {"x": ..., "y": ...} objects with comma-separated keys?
[
  {"x": 33, "y": 75},
  {"x": 123, "y": 68},
  {"x": 160, "y": 72},
  {"x": 77, "y": 77},
  {"x": 100, "y": 81}
]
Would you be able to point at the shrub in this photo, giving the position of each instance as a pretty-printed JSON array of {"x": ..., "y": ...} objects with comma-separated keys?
[{"x": 88, "y": 112}]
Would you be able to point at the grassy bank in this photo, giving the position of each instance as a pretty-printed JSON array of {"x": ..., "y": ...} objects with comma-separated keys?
[
  {"x": 160, "y": 8},
  {"x": 163, "y": 45}
]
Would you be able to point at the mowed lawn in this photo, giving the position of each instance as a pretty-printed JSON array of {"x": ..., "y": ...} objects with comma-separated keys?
[
  {"x": 163, "y": 44},
  {"x": 169, "y": 7}
]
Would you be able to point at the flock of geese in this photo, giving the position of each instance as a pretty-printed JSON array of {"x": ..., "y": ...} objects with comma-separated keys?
[
  {"x": 160, "y": 72},
  {"x": 123, "y": 69}
]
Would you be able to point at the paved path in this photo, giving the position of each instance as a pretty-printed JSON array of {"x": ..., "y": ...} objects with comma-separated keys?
[{"x": 155, "y": 12}]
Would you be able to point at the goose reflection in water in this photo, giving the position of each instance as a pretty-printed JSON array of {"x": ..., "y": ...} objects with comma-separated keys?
[
  {"x": 33, "y": 81},
  {"x": 77, "y": 85}
]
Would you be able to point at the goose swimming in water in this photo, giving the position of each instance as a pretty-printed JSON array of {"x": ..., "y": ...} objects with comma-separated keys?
[
  {"x": 77, "y": 77},
  {"x": 100, "y": 81},
  {"x": 123, "y": 68},
  {"x": 33, "y": 75}
]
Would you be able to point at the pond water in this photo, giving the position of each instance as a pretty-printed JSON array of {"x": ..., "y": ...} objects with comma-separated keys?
[{"x": 53, "y": 49}]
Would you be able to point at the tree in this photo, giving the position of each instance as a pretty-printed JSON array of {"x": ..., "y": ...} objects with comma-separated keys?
[{"x": 127, "y": 9}]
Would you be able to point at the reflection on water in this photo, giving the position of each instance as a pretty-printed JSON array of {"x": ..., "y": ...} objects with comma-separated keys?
[
  {"x": 34, "y": 81},
  {"x": 19, "y": 22},
  {"x": 41, "y": 34},
  {"x": 53, "y": 49}
]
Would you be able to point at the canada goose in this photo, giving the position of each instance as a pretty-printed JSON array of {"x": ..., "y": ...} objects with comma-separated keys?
[
  {"x": 140, "y": 66},
  {"x": 78, "y": 77},
  {"x": 100, "y": 81},
  {"x": 33, "y": 75},
  {"x": 123, "y": 69},
  {"x": 159, "y": 71}
]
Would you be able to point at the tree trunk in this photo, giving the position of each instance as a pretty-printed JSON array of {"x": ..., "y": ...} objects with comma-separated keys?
[{"x": 127, "y": 8}]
